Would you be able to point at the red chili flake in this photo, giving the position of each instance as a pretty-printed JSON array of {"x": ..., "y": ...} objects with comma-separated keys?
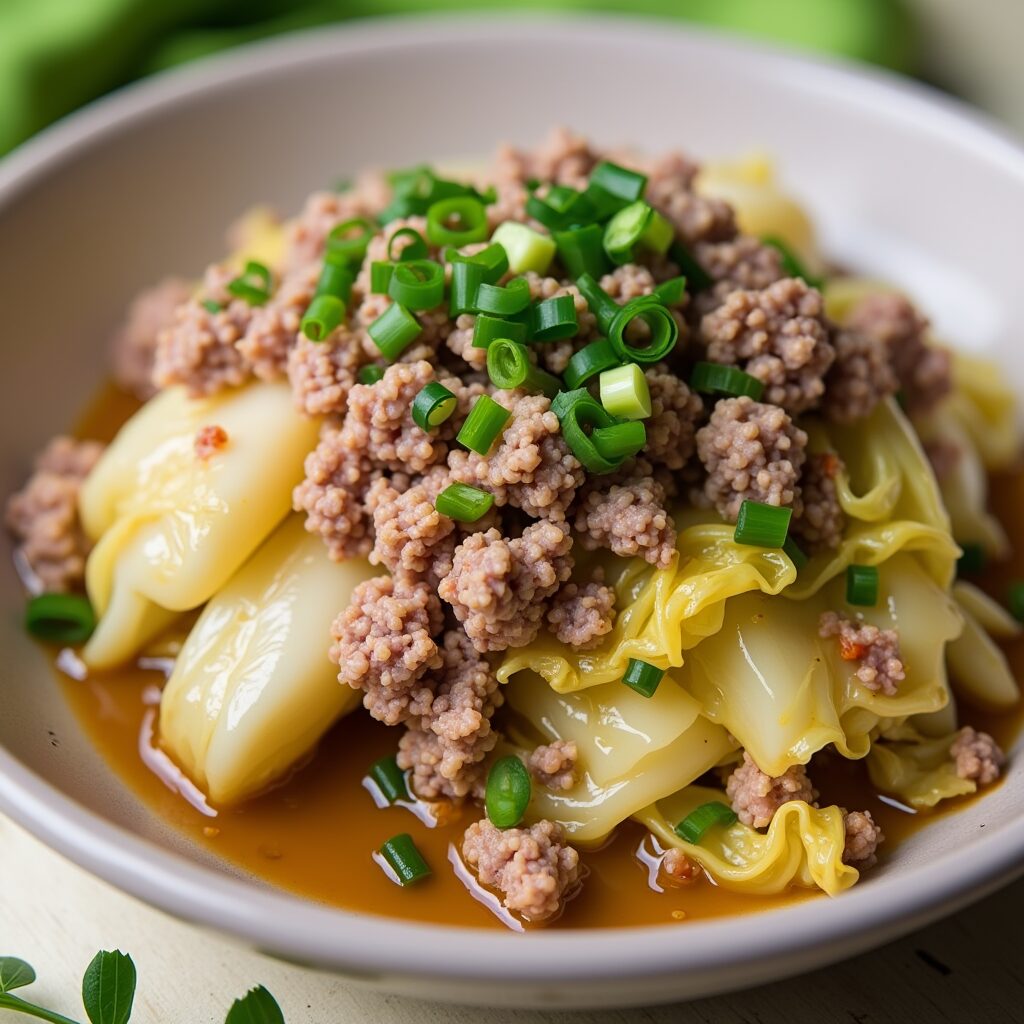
[{"x": 851, "y": 651}]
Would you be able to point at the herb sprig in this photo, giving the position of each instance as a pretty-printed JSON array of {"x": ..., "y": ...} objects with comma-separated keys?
[{"x": 108, "y": 993}]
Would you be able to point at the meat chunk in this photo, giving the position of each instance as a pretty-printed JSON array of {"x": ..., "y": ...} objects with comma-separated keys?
[
  {"x": 696, "y": 218},
  {"x": 628, "y": 518},
  {"x": 554, "y": 764},
  {"x": 978, "y": 757},
  {"x": 134, "y": 344},
  {"x": 43, "y": 515},
  {"x": 563, "y": 158},
  {"x": 755, "y": 796},
  {"x": 446, "y": 745},
  {"x": 210, "y": 440},
  {"x": 531, "y": 466},
  {"x": 498, "y": 587},
  {"x": 752, "y": 452},
  {"x": 383, "y": 644},
  {"x": 672, "y": 425},
  {"x": 533, "y": 868},
  {"x": 821, "y": 521},
  {"x": 460, "y": 342},
  {"x": 200, "y": 348},
  {"x": 740, "y": 263},
  {"x": 274, "y": 326},
  {"x": 676, "y": 866},
  {"x": 322, "y": 373},
  {"x": 379, "y": 421},
  {"x": 582, "y": 615},
  {"x": 877, "y": 650},
  {"x": 333, "y": 495},
  {"x": 923, "y": 371},
  {"x": 860, "y": 377},
  {"x": 411, "y": 535},
  {"x": 778, "y": 335},
  {"x": 863, "y": 838}
]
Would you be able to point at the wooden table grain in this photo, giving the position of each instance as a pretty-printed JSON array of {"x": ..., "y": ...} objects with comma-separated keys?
[{"x": 968, "y": 969}]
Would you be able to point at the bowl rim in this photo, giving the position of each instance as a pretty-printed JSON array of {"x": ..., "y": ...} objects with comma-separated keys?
[{"x": 376, "y": 948}]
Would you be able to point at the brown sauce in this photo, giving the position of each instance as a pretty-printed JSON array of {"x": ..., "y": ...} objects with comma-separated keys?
[{"x": 316, "y": 834}]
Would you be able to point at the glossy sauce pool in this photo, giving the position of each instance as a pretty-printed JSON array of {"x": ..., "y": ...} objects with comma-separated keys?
[{"x": 316, "y": 834}]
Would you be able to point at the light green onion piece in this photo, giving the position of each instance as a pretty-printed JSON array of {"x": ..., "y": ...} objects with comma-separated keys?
[
  {"x": 624, "y": 392},
  {"x": 862, "y": 585},
  {"x": 463, "y": 502},
  {"x": 698, "y": 821},
  {"x": 526, "y": 249},
  {"x": 508, "y": 792},
  {"x": 643, "y": 677},
  {"x": 404, "y": 859},
  {"x": 762, "y": 526}
]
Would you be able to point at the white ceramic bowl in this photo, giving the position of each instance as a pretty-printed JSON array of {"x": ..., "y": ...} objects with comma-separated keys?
[{"x": 902, "y": 182}]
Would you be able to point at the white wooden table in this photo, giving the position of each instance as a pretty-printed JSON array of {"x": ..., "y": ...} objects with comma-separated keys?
[{"x": 968, "y": 969}]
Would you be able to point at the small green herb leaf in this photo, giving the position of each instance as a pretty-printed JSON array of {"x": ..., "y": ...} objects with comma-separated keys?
[
  {"x": 15, "y": 973},
  {"x": 257, "y": 1006},
  {"x": 108, "y": 988}
]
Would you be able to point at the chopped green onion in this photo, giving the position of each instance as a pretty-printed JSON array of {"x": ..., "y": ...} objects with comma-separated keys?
[
  {"x": 211, "y": 305},
  {"x": 253, "y": 285},
  {"x": 618, "y": 181},
  {"x": 862, "y": 585},
  {"x": 415, "y": 249},
  {"x": 461, "y": 220},
  {"x": 488, "y": 328},
  {"x": 972, "y": 561},
  {"x": 1015, "y": 600},
  {"x": 337, "y": 280},
  {"x": 417, "y": 284},
  {"x": 716, "y": 379},
  {"x": 323, "y": 315},
  {"x": 60, "y": 618},
  {"x": 509, "y": 366},
  {"x": 561, "y": 208},
  {"x": 621, "y": 440},
  {"x": 404, "y": 859},
  {"x": 624, "y": 392},
  {"x": 762, "y": 526},
  {"x": 433, "y": 405},
  {"x": 526, "y": 249},
  {"x": 636, "y": 226},
  {"x": 553, "y": 319},
  {"x": 417, "y": 189},
  {"x": 661, "y": 325},
  {"x": 466, "y": 281},
  {"x": 394, "y": 331},
  {"x": 370, "y": 374},
  {"x": 600, "y": 303},
  {"x": 503, "y": 301},
  {"x": 347, "y": 243},
  {"x": 699, "y": 820},
  {"x": 591, "y": 360},
  {"x": 463, "y": 502},
  {"x": 671, "y": 292},
  {"x": 380, "y": 276},
  {"x": 389, "y": 779},
  {"x": 581, "y": 250},
  {"x": 795, "y": 553},
  {"x": 493, "y": 260},
  {"x": 699, "y": 279},
  {"x": 508, "y": 792},
  {"x": 643, "y": 677},
  {"x": 576, "y": 411},
  {"x": 485, "y": 422},
  {"x": 791, "y": 263}
]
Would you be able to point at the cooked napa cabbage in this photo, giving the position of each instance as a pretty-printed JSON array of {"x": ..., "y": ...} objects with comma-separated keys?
[
  {"x": 171, "y": 528},
  {"x": 918, "y": 770},
  {"x": 977, "y": 666},
  {"x": 633, "y": 750},
  {"x": 803, "y": 845},
  {"x": 253, "y": 689}
]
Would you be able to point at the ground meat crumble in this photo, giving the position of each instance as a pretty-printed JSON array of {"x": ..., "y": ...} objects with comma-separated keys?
[
  {"x": 755, "y": 796},
  {"x": 628, "y": 518},
  {"x": 554, "y": 764},
  {"x": 820, "y": 524},
  {"x": 582, "y": 615},
  {"x": 533, "y": 868},
  {"x": 977, "y": 756},
  {"x": 877, "y": 650},
  {"x": 43, "y": 515},
  {"x": 210, "y": 440},
  {"x": 863, "y": 837},
  {"x": 751, "y": 451}
]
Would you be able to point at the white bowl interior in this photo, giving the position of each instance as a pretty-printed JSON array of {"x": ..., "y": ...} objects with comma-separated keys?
[{"x": 900, "y": 185}]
